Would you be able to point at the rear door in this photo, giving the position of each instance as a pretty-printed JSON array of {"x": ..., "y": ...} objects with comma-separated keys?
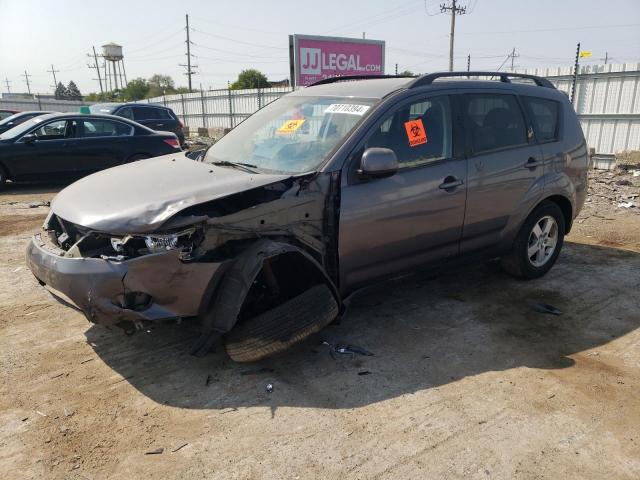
[
  {"x": 100, "y": 143},
  {"x": 505, "y": 167},
  {"x": 392, "y": 224},
  {"x": 154, "y": 117}
]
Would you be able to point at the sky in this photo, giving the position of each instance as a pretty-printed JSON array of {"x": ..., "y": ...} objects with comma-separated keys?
[{"x": 231, "y": 36}]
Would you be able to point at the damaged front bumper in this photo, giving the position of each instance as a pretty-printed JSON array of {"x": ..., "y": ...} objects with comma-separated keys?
[{"x": 152, "y": 287}]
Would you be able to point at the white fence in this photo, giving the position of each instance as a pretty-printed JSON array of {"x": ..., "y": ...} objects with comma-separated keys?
[
  {"x": 24, "y": 104},
  {"x": 607, "y": 101},
  {"x": 219, "y": 108}
]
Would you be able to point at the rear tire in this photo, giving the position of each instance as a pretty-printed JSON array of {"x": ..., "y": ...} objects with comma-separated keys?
[
  {"x": 538, "y": 244},
  {"x": 276, "y": 330},
  {"x": 3, "y": 178}
]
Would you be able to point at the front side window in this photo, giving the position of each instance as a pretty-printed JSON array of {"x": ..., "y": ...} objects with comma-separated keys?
[
  {"x": 419, "y": 132},
  {"x": 544, "y": 114},
  {"x": 52, "y": 130},
  {"x": 126, "y": 113},
  {"x": 104, "y": 128},
  {"x": 494, "y": 121},
  {"x": 294, "y": 134}
]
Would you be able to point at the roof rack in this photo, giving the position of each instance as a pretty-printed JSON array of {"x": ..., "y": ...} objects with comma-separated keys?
[
  {"x": 345, "y": 78},
  {"x": 504, "y": 77}
]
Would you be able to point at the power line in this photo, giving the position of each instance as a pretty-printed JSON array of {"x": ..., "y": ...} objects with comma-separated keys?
[{"x": 455, "y": 10}]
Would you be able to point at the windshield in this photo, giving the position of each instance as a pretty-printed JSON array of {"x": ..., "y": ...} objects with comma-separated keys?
[
  {"x": 291, "y": 135},
  {"x": 103, "y": 107},
  {"x": 20, "y": 129}
]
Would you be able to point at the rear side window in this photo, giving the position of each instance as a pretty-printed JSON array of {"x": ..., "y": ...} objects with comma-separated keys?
[
  {"x": 494, "y": 121},
  {"x": 150, "y": 113},
  {"x": 104, "y": 128},
  {"x": 126, "y": 113},
  {"x": 544, "y": 114}
]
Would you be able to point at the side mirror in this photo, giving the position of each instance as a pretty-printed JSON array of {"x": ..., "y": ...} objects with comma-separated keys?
[
  {"x": 30, "y": 138},
  {"x": 378, "y": 162}
]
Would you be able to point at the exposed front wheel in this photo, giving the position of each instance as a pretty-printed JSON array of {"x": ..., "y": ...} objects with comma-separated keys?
[{"x": 538, "y": 243}]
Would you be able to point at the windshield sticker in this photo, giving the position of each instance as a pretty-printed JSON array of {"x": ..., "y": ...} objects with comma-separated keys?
[
  {"x": 349, "y": 108},
  {"x": 291, "y": 126},
  {"x": 416, "y": 133}
]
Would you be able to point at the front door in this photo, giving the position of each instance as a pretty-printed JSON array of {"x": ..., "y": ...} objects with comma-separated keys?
[
  {"x": 46, "y": 157},
  {"x": 413, "y": 217},
  {"x": 505, "y": 168}
]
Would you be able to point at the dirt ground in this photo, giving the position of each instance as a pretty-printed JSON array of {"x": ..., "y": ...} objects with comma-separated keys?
[{"x": 467, "y": 381}]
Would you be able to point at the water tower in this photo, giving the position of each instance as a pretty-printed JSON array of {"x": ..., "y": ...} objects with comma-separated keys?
[{"x": 113, "y": 58}]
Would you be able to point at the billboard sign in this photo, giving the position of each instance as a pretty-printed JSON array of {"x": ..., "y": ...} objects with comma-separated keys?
[{"x": 314, "y": 58}]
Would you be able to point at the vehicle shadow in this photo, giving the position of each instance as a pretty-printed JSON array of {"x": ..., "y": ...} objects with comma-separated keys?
[
  {"x": 35, "y": 187},
  {"x": 425, "y": 330}
]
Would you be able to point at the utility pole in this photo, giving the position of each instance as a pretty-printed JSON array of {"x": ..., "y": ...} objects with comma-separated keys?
[
  {"x": 606, "y": 57},
  {"x": 396, "y": 69},
  {"x": 189, "y": 72},
  {"x": 575, "y": 74},
  {"x": 53, "y": 72},
  {"x": 26, "y": 79},
  {"x": 468, "y": 62},
  {"x": 7, "y": 82},
  {"x": 455, "y": 10},
  {"x": 364, "y": 35},
  {"x": 513, "y": 56},
  {"x": 97, "y": 67}
]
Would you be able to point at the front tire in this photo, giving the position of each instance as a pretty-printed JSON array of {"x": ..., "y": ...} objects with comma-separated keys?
[
  {"x": 538, "y": 243},
  {"x": 278, "y": 329}
]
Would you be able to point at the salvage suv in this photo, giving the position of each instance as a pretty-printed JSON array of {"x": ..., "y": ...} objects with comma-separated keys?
[{"x": 324, "y": 191}]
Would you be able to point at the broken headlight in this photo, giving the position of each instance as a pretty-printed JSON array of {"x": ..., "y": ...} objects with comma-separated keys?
[
  {"x": 133, "y": 245},
  {"x": 160, "y": 243}
]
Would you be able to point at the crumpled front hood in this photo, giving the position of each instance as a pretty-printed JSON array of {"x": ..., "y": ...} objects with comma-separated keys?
[{"x": 139, "y": 197}]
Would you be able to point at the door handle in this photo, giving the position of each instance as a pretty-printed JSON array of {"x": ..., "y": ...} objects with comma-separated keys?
[
  {"x": 159, "y": 124},
  {"x": 532, "y": 163},
  {"x": 450, "y": 183}
]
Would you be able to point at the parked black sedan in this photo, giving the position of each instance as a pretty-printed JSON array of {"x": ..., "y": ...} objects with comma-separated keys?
[
  {"x": 152, "y": 115},
  {"x": 18, "y": 118},
  {"x": 7, "y": 113},
  {"x": 59, "y": 146}
]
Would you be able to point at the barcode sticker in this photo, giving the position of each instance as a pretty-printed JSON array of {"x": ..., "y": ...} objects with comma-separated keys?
[{"x": 349, "y": 108}]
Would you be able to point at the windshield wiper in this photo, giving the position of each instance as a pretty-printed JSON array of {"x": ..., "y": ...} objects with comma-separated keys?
[{"x": 245, "y": 166}]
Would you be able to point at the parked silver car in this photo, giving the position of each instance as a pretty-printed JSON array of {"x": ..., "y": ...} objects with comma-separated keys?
[{"x": 320, "y": 193}]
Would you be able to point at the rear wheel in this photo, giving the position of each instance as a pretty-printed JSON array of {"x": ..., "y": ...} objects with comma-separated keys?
[
  {"x": 276, "y": 330},
  {"x": 538, "y": 243},
  {"x": 3, "y": 178}
]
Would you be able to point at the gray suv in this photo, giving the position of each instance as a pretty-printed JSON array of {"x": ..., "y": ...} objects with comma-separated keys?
[{"x": 320, "y": 193}]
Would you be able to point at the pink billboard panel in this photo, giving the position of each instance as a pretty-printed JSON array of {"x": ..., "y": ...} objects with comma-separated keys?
[{"x": 316, "y": 58}]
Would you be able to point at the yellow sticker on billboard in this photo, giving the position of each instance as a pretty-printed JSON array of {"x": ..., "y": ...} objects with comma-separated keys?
[{"x": 291, "y": 126}]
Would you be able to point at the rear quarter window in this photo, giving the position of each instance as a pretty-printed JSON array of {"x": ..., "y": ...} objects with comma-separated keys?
[{"x": 545, "y": 116}]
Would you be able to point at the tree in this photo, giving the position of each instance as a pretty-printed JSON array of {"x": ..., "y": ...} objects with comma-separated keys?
[
  {"x": 61, "y": 91},
  {"x": 73, "y": 93},
  {"x": 250, "y": 79},
  {"x": 136, "y": 89},
  {"x": 160, "y": 85},
  {"x": 407, "y": 73}
]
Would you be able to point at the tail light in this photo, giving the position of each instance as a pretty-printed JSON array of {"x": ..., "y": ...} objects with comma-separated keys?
[
  {"x": 180, "y": 123},
  {"x": 173, "y": 142}
]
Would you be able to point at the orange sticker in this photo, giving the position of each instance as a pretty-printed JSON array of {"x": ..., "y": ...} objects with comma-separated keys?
[
  {"x": 416, "y": 133},
  {"x": 291, "y": 126}
]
